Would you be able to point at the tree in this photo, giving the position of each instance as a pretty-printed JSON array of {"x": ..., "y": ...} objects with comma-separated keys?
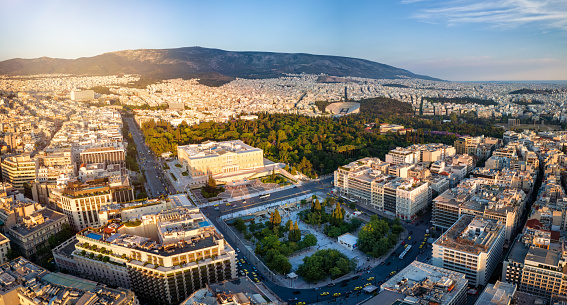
[
  {"x": 316, "y": 206},
  {"x": 275, "y": 219},
  {"x": 240, "y": 225},
  {"x": 309, "y": 240},
  {"x": 338, "y": 215}
]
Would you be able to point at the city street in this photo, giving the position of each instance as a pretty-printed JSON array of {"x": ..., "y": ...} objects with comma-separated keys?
[
  {"x": 310, "y": 296},
  {"x": 148, "y": 162}
]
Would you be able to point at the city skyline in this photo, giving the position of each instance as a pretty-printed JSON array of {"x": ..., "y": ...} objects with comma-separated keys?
[{"x": 454, "y": 40}]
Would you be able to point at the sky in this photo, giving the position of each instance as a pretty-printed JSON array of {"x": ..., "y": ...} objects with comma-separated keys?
[{"x": 458, "y": 40}]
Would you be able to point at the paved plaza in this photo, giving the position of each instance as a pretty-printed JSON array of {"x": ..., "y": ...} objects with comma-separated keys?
[{"x": 290, "y": 212}]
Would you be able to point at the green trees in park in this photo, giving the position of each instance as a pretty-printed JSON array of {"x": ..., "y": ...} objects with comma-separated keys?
[
  {"x": 275, "y": 219},
  {"x": 338, "y": 215},
  {"x": 378, "y": 236},
  {"x": 318, "y": 145},
  {"x": 211, "y": 189},
  {"x": 324, "y": 263}
]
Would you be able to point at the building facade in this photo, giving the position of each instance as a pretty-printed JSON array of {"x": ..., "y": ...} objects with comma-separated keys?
[
  {"x": 164, "y": 257},
  {"x": 219, "y": 157},
  {"x": 18, "y": 170},
  {"x": 473, "y": 246}
]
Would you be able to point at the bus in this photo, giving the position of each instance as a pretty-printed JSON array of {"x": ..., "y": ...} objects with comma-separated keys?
[
  {"x": 406, "y": 250},
  {"x": 264, "y": 196}
]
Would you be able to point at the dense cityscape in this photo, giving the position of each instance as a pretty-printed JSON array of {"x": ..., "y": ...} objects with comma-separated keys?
[
  {"x": 94, "y": 211},
  {"x": 406, "y": 152}
]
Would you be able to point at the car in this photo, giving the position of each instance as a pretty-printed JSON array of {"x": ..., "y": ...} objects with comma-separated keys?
[
  {"x": 217, "y": 209},
  {"x": 245, "y": 270},
  {"x": 317, "y": 288},
  {"x": 324, "y": 293},
  {"x": 382, "y": 263},
  {"x": 421, "y": 246},
  {"x": 370, "y": 278},
  {"x": 337, "y": 294},
  {"x": 356, "y": 277},
  {"x": 357, "y": 288},
  {"x": 344, "y": 284},
  {"x": 292, "y": 299},
  {"x": 426, "y": 234},
  {"x": 297, "y": 292},
  {"x": 331, "y": 284},
  {"x": 254, "y": 268},
  {"x": 237, "y": 250},
  {"x": 403, "y": 243},
  {"x": 367, "y": 284},
  {"x": 406, "y": 245},
  {"x": 409, "y": 237},
  {"x": 301, "y": 303},
  {"x": 228, "y": 204},
  {"x": 256, "y": 280},
  {"x": 393, "y": 272},
  {"x": 242, "y": 261},
  {"x": 217, "y": 205},
  {"x": 388, "y": 263}
]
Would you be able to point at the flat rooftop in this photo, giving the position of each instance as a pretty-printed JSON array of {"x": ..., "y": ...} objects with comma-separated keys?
[
  {"x": 497, "y": 294},
  {"x": 471, "y": 234},
  {"x": 426, "y": 282},
  {"x": 215, "y": 149},
  {"x": 50, "y": 217}
]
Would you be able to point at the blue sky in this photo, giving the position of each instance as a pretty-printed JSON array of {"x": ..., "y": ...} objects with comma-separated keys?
[{"x": 451, "y": 39}]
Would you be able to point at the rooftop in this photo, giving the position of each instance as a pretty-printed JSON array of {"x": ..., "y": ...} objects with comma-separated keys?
[
  {"x": 497, "y": 294},
  {"x": 215, "y": 149},
  {"x": 426, "y": 282},
  {"x": 471, "y": 234}
]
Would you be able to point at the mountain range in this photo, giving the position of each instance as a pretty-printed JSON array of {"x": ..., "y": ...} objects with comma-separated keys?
[{"x": 212, "y": 66}]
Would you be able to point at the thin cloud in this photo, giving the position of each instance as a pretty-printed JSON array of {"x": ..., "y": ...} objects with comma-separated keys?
[{"x": 550, "y": 14}]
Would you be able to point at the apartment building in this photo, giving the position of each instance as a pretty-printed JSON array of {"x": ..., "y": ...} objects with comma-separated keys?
[
  {"x": 82, "y": 95},
  {"x": 164, "y": 257},
  {"x": 499, "y": 293},
  {"x": 473, "y": 246},
  {"x": 401, "y": 155},
  {"x": 481, "y": 147},
  {"x": 4, "y": 247},
  {"x": 33, "y": 231},
  {"x": 18, "y": 170},
  {"x": 472, "y": 198},
  {"x": 219, "y": 157},
  {"x": 364, "y": 181},
  {"x": 420, "y": 283},
  {"x": 81, "y": 201},
  {"x": 106, "y": 155},
  {"x": 28, "y": 224}
]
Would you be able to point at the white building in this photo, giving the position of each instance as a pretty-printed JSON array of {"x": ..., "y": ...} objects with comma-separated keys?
[
  {"x": 348, "y": 241},
  {"x": 82, "y": 95},
  {"x": 420, "y": 283},
  {"x": 473, "y": 246},
  {"x": 401, "y": 155}
]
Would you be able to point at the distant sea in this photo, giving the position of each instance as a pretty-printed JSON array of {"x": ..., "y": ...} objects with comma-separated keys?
[{"x": 554, "y": 82}]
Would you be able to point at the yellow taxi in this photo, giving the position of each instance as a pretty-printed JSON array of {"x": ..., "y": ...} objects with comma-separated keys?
[
  {"x": 370, "y": 278},
  {"x": 393, "y": 272},
  {"x": 324, "y": 293},
  {"x": 357, "y": 288},
  {"x": 409, "y": 237},
  {"x": 367, "y": 284},
  {"x": 337, "y": 294}
]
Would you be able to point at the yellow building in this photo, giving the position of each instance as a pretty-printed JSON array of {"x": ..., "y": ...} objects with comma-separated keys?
[
  {"x": 18, "y": 170},
  {"x": 219, "y": 157}
]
